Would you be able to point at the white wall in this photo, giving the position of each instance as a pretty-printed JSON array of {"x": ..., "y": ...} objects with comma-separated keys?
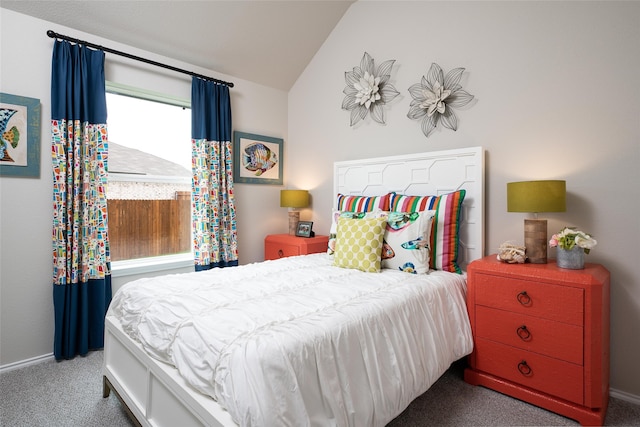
[
  {"x": 557, "y": 97},
  {"x": 26, "y": 302}
]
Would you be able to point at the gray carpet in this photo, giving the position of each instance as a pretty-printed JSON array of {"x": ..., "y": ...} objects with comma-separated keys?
[{"x": 69, "y": 394}]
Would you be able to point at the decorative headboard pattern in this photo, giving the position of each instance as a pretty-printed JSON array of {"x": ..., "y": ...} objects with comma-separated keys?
[{"x": 432, "y": 173}]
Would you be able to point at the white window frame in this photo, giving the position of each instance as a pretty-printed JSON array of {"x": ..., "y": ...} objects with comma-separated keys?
[{"x": 160, "y": 263}]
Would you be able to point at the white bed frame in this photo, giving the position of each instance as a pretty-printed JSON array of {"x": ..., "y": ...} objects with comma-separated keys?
[{"x": 156, "y": 395}]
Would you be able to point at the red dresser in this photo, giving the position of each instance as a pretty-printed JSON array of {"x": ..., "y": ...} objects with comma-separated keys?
[
  {"x": 541, "y": 334},
  {"x": 284, "y": 245}
]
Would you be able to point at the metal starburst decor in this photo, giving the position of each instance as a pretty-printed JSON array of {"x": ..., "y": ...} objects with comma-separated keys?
[
  {"x": 435, "y": 97},
  {"x": 368, "y": 90}
]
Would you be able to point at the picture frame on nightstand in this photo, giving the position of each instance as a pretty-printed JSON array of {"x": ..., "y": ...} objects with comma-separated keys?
[{"x": 304, "y": 229}]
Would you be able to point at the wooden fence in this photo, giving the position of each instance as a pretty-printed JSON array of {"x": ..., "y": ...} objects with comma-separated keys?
[{"x": 148, "y": 228}]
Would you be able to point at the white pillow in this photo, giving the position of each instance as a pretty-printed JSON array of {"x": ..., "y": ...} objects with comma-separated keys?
[{"x": 407, "y": 241}]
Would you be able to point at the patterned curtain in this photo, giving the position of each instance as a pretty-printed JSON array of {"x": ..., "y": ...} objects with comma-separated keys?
[
  {"x": 212, "y": 201},
  {"x": 81, "y": 264}
]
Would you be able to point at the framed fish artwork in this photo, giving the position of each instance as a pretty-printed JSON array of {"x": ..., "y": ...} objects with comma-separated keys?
[
  {"x": 257, "y": 159},
  {"x": 19, "y": 136}
]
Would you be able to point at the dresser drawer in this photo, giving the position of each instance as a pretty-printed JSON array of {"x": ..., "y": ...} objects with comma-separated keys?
[
  {"x": 553, "y": 302},
  {"x": 559, "y": 340},
  {"x": 546, "y": 374},
  {"x": 281, "y": 250}
]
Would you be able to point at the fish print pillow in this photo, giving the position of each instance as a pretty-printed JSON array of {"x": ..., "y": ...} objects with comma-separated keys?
[
  {"x": 337, "y": 214},
  {"x": 446, "y": 225},
  {"x": 406, "y": 241}
]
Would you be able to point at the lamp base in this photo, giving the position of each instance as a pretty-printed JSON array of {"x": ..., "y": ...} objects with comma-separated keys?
[
  {"x": 535, "y": 240},
  {"x": 294, "y": 219}
]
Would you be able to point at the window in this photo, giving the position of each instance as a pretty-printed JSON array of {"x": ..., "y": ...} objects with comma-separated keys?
[{"x": 149, "y": 166}]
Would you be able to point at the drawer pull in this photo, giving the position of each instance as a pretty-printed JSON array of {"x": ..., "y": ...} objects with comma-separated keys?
[
  {"x": 524, "y": 368},
  {"x": 523, "y": 333},
  {"x": 280, "y": 253},
  {"x": 524, "y": 298}
]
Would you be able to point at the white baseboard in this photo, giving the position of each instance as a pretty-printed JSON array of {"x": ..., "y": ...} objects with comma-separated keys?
[
  {"x": 24, "y": 363},
  {"x": 623, "y": 395}
]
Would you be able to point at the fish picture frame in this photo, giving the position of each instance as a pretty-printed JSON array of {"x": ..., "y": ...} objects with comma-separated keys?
[
  {"x": 257, "y": 159},
  {"x": 19, "y": 136}
]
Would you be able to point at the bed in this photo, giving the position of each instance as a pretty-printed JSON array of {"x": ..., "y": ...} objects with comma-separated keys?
[{"x": 323, "y": 345}]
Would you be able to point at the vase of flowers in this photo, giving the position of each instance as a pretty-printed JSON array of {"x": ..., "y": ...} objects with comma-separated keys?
[{"x": 572, "y": 245}]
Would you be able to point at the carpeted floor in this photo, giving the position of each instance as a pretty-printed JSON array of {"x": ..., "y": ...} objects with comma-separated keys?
[{"x": 69, "y": 394}]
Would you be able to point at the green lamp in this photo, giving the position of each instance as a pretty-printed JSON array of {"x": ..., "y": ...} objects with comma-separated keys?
[
  {"x": 294, "y": 199},
  {"x": 536, "y": 197}
]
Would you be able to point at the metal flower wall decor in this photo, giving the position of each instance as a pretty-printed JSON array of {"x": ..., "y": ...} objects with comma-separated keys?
[
  {"x": 368, "y": 90},
  {"x": 435, "y": 97}
]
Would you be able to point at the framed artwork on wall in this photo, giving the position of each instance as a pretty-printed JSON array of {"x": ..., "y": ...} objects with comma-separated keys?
[
  {"x": 19, "y": 136},
  {"x": 257, "y": 159}
]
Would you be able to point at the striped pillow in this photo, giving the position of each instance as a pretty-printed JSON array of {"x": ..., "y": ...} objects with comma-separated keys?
[
  {"x": 363, "y": 203},
  {"x": 446, "y": 225}
]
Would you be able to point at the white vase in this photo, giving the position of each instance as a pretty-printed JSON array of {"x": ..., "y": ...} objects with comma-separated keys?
[{"x": 572, "y": 259}]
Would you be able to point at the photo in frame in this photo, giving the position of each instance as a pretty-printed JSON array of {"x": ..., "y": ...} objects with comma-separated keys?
[
  {"x": 257, "y": 159},
  {"x": 20, "y": 136},
  {"x": 304, "y": 229}
]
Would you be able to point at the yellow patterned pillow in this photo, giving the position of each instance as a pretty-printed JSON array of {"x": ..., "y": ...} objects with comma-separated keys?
[{"x": 359, "y": 243}]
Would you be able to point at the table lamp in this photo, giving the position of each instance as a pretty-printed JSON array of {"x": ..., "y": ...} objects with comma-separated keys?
[
  {"x": 294, "y": 199},
  {"x": 536, "y": 197}
]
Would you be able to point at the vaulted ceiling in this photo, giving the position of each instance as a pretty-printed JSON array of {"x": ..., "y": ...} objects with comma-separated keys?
[{"x": 267, "y": 42}]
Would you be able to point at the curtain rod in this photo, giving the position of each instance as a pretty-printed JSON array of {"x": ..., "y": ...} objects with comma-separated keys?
[{"x": 53, "y": 34}]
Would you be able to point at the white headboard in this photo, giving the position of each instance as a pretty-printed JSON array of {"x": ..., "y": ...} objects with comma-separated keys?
[{"x": 434, "y": 173}]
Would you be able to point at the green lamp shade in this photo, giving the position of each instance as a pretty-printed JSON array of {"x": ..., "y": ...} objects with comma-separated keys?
[
  {"x": 537, "y": 196},
  {"x": 294, "y": 198}
]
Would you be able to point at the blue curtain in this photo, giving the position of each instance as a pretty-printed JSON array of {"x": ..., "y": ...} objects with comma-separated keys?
[
  {"x": 81, "y": 267},
  {"x": 212, "y": 201}
]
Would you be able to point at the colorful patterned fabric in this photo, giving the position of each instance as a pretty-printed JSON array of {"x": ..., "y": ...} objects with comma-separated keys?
[
  {"x": 363, "y": 203},
  {"x": 407, "y": 238},
  {"x": 212, "y": 200},
  {"x": 81, "y": 276},
  {"x": 80, "y": 235},
  {"x": 446, "y": 226}
]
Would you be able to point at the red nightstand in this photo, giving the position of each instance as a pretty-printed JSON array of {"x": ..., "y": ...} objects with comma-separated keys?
[
  {"x": 283, "y": 245},
  {"x": 541, "y": 334}
]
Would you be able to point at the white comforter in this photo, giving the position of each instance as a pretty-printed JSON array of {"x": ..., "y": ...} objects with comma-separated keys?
[{"x": 299, "y": 342}]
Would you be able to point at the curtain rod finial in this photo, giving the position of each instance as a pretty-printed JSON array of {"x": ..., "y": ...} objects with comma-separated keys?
[{"x": 51, "y": 34}]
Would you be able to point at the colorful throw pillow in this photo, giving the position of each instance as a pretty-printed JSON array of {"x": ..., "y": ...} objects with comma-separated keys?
[
  {"x": 359, "y": 243},
  {"x": 363, "y": 203},
  {"x": 336, "y": 214},
  {"x": 446, "y": 226},
  {"x": 406, "y": 245}
]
